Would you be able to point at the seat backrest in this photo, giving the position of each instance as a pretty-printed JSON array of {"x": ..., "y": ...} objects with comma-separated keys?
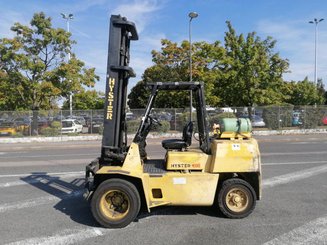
[{"x": 187, "y": 133}]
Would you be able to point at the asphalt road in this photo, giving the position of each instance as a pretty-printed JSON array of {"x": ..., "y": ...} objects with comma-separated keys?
[{"x": 41, "y": 201}]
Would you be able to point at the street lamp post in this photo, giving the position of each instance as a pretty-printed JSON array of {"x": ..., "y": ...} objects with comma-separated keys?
[
  {"x": 316, "y": 21},
  {"x": 69, "y": 17},
  {"x": 192, "y": 15}
]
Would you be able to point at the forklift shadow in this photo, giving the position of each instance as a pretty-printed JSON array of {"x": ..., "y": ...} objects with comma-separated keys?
[
  {"x": 181, "y": 210},
  {"x": 68, "y": 193}
]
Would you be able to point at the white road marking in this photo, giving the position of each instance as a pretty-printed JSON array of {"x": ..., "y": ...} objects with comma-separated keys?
[
  {"x": 41, "y": 174},
  {"x": 38, "y": 201},
  {"x": 300, "y": 143},
  {"x": 49, "y": 156},
  {"x": 40, "y": 179},
  {"x": 294, "y": 153},
  {"x": 291, "y": 177},
  {"x": 71, "y": 236},
  {"x": 28, "y": 203},
  {"x": 314, "y": 232},
  {"x": 291, "y": 163},
  {"x": 305, "y": 142}
]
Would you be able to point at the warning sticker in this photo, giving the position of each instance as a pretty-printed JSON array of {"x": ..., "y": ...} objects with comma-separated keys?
[
  {"x": 179, "y": 181},
  {"x": 236, "y": 147}
]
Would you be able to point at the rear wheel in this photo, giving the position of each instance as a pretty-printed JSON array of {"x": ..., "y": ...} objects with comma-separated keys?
[
  {"x": 115, "y": 203},
  {"x": 236, "y": 198}
]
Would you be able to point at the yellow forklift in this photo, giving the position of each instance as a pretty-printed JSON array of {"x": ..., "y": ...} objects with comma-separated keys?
[{"x": 223, "y": 171}]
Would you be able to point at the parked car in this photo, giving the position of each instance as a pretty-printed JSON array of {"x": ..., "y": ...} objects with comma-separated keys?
[
  {"x": 97, "y": 124},
  {"x": 324, "y": 120},
  {"x": 71, "y": 126},
  {"x": 87, "y": 121},
  {"x": 22, "y": 121},
  {"x": 296, "y": 119},
  {"x": 130, "y": 116},
  {"x": 80, "y": 119},
  {"x": 226, "y": 109},
  {"x": 257, "y": 121},
  {"x": 7, "y": 129},
  {"x": 58, "y": 118}
]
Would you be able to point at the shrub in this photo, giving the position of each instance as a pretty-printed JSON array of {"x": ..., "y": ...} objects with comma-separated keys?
[
  {"x": 182, "y": 119},
  {"x": 73, "y": 134},
  {"x": 276, "y": 117},
  {"x": 51, "y": 131},
  {"x": 100, "y": 130},
  {"x": 132, "y": 126},
  {"x": 56, "y": 124},
  {"x": 18, "y": 135},
  {"x": 312, "y": 116},
  {"x": 165, "y": 126}
]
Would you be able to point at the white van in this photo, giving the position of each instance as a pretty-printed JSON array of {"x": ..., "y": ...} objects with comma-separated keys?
[
  {"x": 227, "y": 109},
  {"x": 71, "y": 126}
]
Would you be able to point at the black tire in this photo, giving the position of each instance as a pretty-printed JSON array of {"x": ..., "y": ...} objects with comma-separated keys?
[
  {"x": 115, "y": 197},
  {"x": 236, "y": 198}
]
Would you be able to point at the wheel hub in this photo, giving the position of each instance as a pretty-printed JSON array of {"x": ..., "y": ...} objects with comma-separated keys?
[
  {"x": 237, "y": 200},
  {"x": 114, "y": 204},
  {"x": 117, "y": 200}
]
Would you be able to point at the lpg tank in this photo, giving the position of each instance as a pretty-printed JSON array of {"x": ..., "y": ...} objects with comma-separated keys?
[{"x": 237, "y": 125}]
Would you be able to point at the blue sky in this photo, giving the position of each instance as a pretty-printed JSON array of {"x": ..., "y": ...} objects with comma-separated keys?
[{"x": 284, "y": 20}]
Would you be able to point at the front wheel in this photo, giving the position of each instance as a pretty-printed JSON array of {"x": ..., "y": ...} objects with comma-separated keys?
[
  {"x": 236, "y": 198},
  {"x": 115, "y": 203}
]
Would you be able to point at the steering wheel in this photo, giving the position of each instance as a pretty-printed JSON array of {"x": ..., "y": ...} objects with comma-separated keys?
[
  {"x": 196, "y": 138},
  {"x": 155, "y": 120}
]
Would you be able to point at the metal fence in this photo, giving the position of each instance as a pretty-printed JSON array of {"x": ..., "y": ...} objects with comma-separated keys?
[{"x": 61, "y": 122}]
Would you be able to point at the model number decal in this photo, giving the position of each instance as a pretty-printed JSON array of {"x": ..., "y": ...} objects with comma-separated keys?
[
  {"x": 185, "y": 165},
  {"x": 180, "y": 165}
]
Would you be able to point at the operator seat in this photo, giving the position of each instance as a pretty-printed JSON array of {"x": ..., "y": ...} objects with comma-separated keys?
[{"x": 179, "y": 144}]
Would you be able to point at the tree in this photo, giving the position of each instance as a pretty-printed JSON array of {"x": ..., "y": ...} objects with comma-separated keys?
[
  {"x": 321, "y": 92},
  {"x": 3, "y": 88},
  {"x": 34, "y": 61},
  {"x": 305, "y": 93},
  {"x": 245, "y": 72},
  {"x": 86, "y": 100},
  {"x": 252, "y": 72},
  {"x": 138, "y": 96},
  {"x": 172, "y": 64}
]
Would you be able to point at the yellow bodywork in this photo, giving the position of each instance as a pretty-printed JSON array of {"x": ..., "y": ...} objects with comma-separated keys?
[
  {"x": 235, "y": 156},
  {"x": 193, "y": 159},
  {"x": 191, "y": 176}
]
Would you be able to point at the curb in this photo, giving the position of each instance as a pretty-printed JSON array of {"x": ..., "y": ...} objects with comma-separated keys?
[
  {"x": 167, "y": 135},
  {"x": 290, "y": 132}
]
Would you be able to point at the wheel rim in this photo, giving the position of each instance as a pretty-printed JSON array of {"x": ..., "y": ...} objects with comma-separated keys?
[
  {"x": 237, "y": 200},
  {"x": 114, "y": 204}
]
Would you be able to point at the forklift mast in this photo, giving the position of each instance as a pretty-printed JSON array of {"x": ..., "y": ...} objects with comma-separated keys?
[{"x": 114, "y": 141}]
